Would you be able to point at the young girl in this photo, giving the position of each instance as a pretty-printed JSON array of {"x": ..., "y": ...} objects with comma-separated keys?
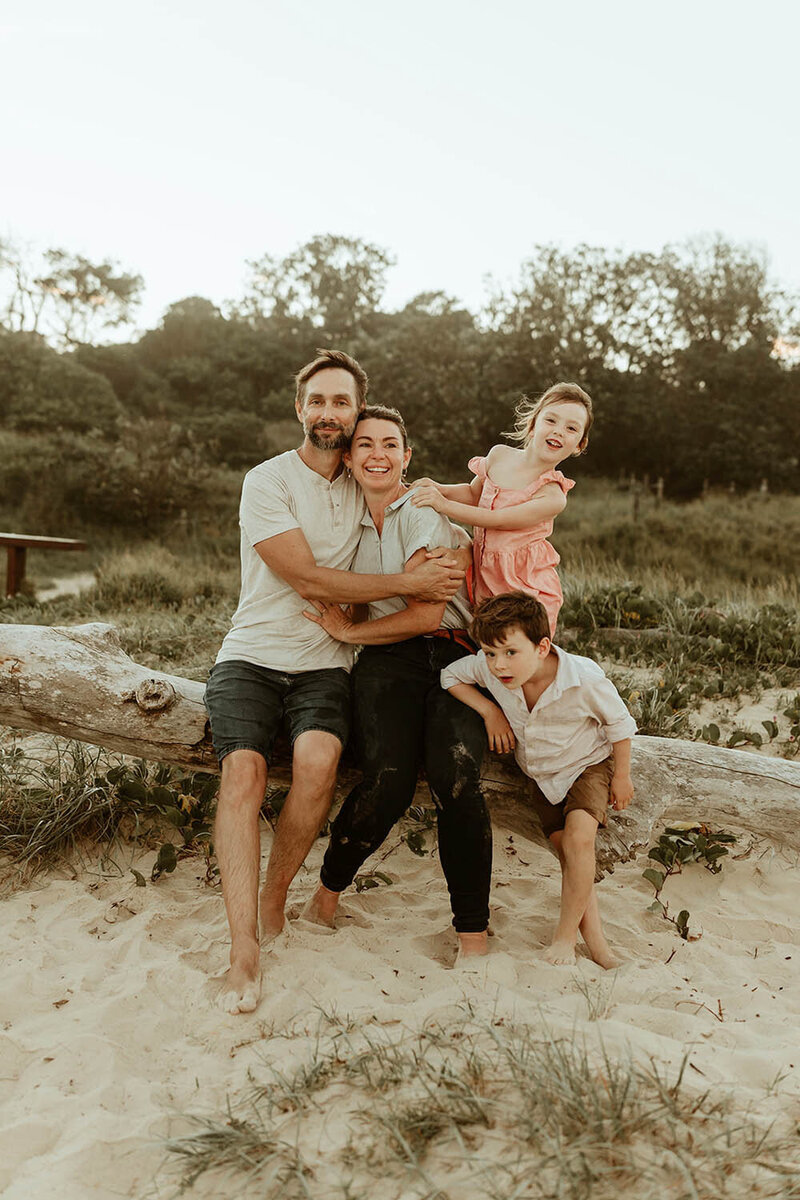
[{"x": 515, "y": 496}]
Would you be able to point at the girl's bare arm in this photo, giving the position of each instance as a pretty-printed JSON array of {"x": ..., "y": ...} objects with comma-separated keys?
[
  {"x": 545, "y": 505},
  {"x": 460, "y": 493}
]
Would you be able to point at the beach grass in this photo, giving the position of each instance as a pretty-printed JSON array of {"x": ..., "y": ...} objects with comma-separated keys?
[
  {"x": 67, "y": 805},
  {"x": 471, "y": 1107}
]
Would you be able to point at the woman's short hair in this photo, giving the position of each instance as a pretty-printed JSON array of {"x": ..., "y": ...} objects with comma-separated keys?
[{"x": 382, "y": 412}]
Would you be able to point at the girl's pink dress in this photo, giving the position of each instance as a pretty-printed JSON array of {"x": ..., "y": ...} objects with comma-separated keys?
[{"x": 509, "y": 560}]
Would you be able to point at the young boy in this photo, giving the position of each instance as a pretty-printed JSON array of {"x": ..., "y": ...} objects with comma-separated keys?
[{"x": 571, "y": 734}]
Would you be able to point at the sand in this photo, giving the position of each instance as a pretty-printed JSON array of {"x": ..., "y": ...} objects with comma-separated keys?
[{"x": 109, "y": 1031}]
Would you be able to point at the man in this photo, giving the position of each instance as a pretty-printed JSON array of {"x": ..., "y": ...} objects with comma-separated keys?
[{"x": 300, "y": 519}]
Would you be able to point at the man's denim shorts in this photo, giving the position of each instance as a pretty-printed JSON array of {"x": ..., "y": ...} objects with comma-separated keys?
[{"x": 247, "y": 705}]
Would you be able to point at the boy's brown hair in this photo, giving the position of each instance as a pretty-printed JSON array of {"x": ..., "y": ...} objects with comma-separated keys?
[
  {"x": 528, "y": 410},
  {"x": 332, "y": 358},
  {"x": 493, "y": 618}
]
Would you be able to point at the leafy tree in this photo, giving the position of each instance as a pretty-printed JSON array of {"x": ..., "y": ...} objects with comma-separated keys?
[
  {"x": 721, "y": 292},
  {"x": 141, "y": 391},
  {"x": 332, "y": 282},
  {"x": 65, "y": 296},
  {"x": 139, "y": 482},
  {"x": 43, "y": 390},
  {"x": 237, "y": 439},
  {"x": 214, "y": 363},
  {"x": 427, "y": 360}
]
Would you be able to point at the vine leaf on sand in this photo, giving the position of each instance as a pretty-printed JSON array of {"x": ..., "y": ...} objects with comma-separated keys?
[{"x": 682, "y": 843}]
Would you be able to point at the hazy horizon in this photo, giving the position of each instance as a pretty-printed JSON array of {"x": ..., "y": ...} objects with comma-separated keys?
[{"x": 183, "y": 143}]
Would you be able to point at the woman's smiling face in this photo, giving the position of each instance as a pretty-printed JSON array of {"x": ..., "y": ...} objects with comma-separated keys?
[{"x": 377, "y": 456}]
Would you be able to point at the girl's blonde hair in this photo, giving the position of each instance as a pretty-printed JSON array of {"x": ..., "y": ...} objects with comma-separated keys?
[{"x": 528, "y": 410}]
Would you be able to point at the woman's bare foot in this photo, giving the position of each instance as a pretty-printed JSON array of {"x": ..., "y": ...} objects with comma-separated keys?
[
  {"x": 321, "y": 908},
  {"x": 560, "y": 954},
  {"x": 241, "y": 988},
  {"x": 472, "y": 945}
]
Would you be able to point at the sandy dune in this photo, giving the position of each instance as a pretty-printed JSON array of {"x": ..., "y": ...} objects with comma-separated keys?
[{"x": 109, "y": 1031}]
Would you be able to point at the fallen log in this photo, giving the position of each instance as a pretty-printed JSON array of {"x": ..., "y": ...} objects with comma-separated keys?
[{"x": 79, "y": 683}]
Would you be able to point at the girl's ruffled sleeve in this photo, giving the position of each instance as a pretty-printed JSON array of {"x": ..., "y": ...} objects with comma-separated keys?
[
  {"x": 478, "y": 467},
  {"x": 556, "y": 477}
]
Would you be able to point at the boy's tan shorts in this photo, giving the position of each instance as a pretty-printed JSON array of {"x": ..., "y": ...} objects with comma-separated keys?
[{"x": 590, "y": 793}]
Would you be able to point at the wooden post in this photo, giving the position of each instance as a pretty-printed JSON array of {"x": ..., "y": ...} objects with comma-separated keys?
[
  {"x": 636, "y": 492},
  {"x": 15, "y": 569},
  {"x": 659, "y": 490},
  {"x": 764, "y": 489},
  {"x": 17, "y": 544}
]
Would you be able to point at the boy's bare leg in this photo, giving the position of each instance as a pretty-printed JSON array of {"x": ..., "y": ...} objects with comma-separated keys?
[
  {"x": 238, "y": 849},
  {"x": 591, "y": 930},
  {"x": 314, "y": 762},
  {"x": 579, "y": 911}
]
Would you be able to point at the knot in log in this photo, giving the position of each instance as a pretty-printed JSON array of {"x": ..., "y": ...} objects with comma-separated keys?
[{"x": 152, "y": 695}]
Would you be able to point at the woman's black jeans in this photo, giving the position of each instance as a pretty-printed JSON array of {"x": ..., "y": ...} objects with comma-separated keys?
[{"x": 403, "y": 719}]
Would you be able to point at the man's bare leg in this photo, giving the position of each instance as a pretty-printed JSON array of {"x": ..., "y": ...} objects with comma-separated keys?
[
  {"x": 579, "y": 911},
  {"x": 238, "y": 849},
  {"x": 314, "y": 762}
]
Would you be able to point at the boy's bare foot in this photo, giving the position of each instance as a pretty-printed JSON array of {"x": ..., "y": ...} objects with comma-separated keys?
[
  {"x": 603, "y": 956},
  {"x": 472, "y": 945},
  {"x": 592, "y": 933},
  {"x": 560, "y": 954},
  {"x": 321, "y": 908},
  {"x": 241, "y": 989}
]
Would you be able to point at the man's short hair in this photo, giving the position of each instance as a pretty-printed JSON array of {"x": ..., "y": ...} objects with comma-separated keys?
[
  {"x": 382, "y": 412},
  {"x": 332, "y": 358},
  {"x": 493, "y": 618}
]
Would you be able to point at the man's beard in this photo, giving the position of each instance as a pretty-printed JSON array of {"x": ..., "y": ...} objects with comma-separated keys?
[{"x": 329, "y": 439}]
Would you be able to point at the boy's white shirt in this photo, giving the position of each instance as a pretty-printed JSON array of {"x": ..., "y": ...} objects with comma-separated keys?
[{"x": 571, "y": 727}]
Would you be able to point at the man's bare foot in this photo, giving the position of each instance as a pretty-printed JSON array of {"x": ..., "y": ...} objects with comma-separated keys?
[
  {"x": 321, "y": 908},
  {"x": 560, "y": 954},
  {"x": 241, "y": 988},
  {"x": 472, "y": 945},
  {"x": 270, "y": 917}
]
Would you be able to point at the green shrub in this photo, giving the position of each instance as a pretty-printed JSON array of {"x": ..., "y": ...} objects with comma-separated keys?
[
  {"x": 147, "y": 477},
  {"x": 42, "y": 391},
  {"x": 152, "y": 577}
]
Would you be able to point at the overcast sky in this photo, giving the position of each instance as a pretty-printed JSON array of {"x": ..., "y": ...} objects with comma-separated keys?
[{"x": 185, "y": 136}]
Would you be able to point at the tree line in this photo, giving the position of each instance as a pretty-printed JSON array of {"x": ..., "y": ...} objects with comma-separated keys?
[{"x": 690, "y": 355}]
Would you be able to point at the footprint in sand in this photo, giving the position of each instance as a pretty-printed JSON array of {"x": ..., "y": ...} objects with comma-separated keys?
[{"x": 441, "y": 947}]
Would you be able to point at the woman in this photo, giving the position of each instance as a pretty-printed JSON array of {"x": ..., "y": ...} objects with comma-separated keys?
[{"x": 402, "y": 718}]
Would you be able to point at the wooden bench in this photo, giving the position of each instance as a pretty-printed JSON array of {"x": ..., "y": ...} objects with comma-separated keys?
[{"x": 18, "y": 543}]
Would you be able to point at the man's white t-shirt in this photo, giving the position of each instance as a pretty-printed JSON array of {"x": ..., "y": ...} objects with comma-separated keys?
[{"x": 268, "y": 627}]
